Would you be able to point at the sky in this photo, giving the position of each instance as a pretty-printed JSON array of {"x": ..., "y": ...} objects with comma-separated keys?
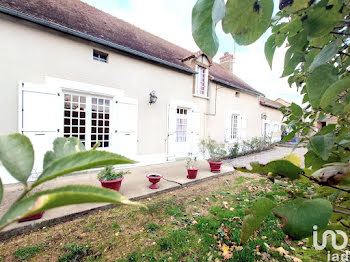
[{"x": 171, "y": 20}]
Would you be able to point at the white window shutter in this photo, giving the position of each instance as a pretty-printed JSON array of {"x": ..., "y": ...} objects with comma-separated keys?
[
  {"x": 206, "y": 82},
  {"x": 196, "y": 83},
  {"x": 195, "y": 129},
  {"x": 40, "y": 119},
  {"x": 228, "y": 131},
  {"x": 243, "y": 135},
  {"x": 125, "y": 128},
  {"x": 171, "y": 136}
]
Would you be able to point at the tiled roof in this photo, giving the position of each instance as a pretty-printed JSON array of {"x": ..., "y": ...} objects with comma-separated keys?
[
  {"x": 270, "y": 103},
  {"x": 81, "y": 17}
]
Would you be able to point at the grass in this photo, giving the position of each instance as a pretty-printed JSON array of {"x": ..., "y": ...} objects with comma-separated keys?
[
  {"x": 25, "y": 253},
  {"x": 74, "y": 252},
  {"x": 191, "y": 224}
]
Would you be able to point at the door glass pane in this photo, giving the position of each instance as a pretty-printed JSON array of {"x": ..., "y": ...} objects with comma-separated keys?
[
  {"x": 74, "y": 117},
  {"x": 101, "y": 133},
  {"x": 181, "y": 125}
]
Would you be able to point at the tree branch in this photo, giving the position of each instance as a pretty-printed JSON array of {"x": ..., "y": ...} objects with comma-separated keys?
[
  {"x": 323, "y": 184},
  {"x": 341, "y": 211},
  {"x": 338, "y": 33}
]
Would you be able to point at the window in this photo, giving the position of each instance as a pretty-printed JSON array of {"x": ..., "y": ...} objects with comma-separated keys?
[
  {"x": 100, "y": 56},
  {"x": 202, "y": 81},
  {"x": 234, "y": 126},
  {"x": 181, "y": 125},
  {"x": 87, "y": 118}
]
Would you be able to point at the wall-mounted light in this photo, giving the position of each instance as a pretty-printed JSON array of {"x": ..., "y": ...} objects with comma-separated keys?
[
  {"x": 263, "y": 116},
  {"x": 152, "y": 97}
]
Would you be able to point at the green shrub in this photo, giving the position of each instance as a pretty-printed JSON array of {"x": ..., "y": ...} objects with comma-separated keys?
[{"x": 215, "y": 150}]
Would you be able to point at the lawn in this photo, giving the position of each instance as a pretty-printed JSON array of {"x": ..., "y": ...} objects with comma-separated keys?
[{"x": 198, "y": 223}]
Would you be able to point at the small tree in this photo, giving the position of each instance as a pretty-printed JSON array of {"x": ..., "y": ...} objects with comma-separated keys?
[{"x": 317, "y": 62}]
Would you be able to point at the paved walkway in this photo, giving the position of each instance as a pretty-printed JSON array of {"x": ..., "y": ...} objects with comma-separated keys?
[{"x": 134, "y": 186}]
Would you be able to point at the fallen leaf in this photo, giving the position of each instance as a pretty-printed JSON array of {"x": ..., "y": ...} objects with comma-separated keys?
[
  {"x": 295, "y": 259},
  {"x": 281, "y": 250},
  {"x": 239, "y": 248}
]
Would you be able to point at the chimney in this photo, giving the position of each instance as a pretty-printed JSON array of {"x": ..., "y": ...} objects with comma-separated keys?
[{"x": 227, "y": 61}]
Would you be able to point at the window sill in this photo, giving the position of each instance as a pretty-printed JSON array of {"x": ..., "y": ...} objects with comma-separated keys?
[{"x": 201, "y": 96}]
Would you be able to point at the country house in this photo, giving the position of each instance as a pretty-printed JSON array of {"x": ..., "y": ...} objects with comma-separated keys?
[{"x": 69, "y": 69}]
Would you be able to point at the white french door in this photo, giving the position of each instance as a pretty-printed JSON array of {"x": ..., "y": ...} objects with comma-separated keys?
[
  {"x": 181, "y": 134},
  {"x": 88, "y": 118}
]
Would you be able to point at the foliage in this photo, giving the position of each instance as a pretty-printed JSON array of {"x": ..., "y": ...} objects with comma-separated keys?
[
  {"x": 74, "y": 252},
  {"x": 316, "y": 35},
  {"x": 254, "y": 145},
  {"x": 28, "y": 252},
  {"x": 191, "y": 162},
  {"x": 213, "y": 149},
  {"x": 17, "y": 156},
  {"x": 108, "y": 174}
]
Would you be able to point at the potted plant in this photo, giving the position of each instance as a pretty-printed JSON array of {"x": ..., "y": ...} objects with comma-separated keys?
[
  {"x": 192, "y": 171},
  {"x": 214, "y": 152},
  {"x": 111, "y": 179}
]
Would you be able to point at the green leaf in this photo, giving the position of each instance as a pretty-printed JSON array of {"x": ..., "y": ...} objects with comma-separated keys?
[
  {"x": 326, "y": 54},
  {"x": 319, "y": 81},
  {"x": 292, "y": 28},
  {"x": 62, "y": 147},
  {"x": 309, "y": 58},
  {"x": 69, "y": 195},
  {"x": 255, "y": 215},
  {"x": 322, "y": 145},
  {"x": 313, "y": 160},
  {"x": 296, "y": 110},
  {"x": 321, "y": 20},
  {"x": 277, "y": 167},
  {"x": 328, "y": 129},
  {"x": 300, "y": 215},
  {"x": 289, "y": 136},
  {"x": 205, "y": 15},
  {"x": 270, "y": 48},
  {"x": 80, "y": 161},
  {"x": 292, "y": 59},
  {"x": 17, "y": 156},
  {"x": 295, "y": 6},
  {"x": 332, "y": 93},
  {"x": 247, "y": 20}
]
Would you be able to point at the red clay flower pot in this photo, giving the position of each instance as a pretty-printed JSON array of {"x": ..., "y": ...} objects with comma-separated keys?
[
  {"x": 112, "y": 184},
  {"x": 154, "y": 179},
  {"x": 32, "y": 217},
  {"x": 192, "y": 173},
  {"x": 215, "y": 166}
]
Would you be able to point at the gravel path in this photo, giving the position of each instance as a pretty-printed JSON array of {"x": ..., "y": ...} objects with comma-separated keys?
[{"x": 266, "y": 156}]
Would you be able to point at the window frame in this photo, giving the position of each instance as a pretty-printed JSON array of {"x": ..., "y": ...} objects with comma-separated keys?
[
  {"x": 102, "y": 124},
  {"x": 206, "y": 82},
  {"x": 234, "y": 135},
  {"x": 97, "y": 56}
]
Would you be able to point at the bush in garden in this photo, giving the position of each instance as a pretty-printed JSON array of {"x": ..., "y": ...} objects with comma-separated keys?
[
  {"x": 317, "y": 62},
  {"x": 69, "y": 155},
  {"x": 256, "y": 144},
  {"x": 213, "y": 149}
]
